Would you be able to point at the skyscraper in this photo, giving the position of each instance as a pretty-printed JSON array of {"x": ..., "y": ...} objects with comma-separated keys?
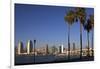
[
  {"x": 74, "y": 49},
  {"x": 46, "y": 49},
  {"x": 62, "y": 48},
  {"x": 59, "y": 49},
  {"x": 29, "y": 47},
  {"x": 20, "y": 47}
]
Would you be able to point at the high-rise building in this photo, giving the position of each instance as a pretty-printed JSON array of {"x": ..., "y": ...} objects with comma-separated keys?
[
  {"x": 29, "y": 47},
  {"x": 74, "y": 52},
  {"x": 20, "y": 47},
  {"x": 74, "y": 46},
  {"x": 62, "y": 48},
  {"x": 53, "y": 49},
  {"x": 59, "y": 49},
  {"x": 34, "y": 47},
  {"x": 46, "y": 49}
]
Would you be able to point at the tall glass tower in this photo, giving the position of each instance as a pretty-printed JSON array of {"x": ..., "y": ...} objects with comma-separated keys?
[
  {"x": 29, "y": 47},
  {"x": 20, "y": 47}
]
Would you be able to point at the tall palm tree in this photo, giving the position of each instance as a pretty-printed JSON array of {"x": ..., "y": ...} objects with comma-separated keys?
[
  {"x": 69, "y": 18},
  {"x": 81, "y": 16},
  {"x": 92, "y": 23},
  {"x": 88, "y": 27}
]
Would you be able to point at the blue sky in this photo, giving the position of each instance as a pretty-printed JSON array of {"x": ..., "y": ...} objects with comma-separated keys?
[{"x": 46, "y": 24}]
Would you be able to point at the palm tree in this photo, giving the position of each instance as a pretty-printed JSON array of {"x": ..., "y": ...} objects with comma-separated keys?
[
  {"x": 88, "y": 27},
  {"x": 69, "y": 18},
  {"x": 92, "y": 23},
  {"x": 81, "y": 16}
]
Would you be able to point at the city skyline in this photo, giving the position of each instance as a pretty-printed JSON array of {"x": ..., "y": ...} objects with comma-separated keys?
[{"x": 46, "y": 24}]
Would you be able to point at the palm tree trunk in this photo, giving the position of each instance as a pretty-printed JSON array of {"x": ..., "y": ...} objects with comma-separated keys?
[
  {"x": 68, "y": 42},
  {"x": 88, "y": 44},
  {"x": 80, "y": 41}
]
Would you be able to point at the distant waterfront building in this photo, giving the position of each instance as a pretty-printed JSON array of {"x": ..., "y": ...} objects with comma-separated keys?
[
  {"x": 73, "y": 50},
  {"x": 34, "y": 47},
  {"x": 29, "y": 47},
  {"x": 62, "y": 48},
  {"x": 20, "y": 47},
  {"x": 74, "y": 47},
  {"x": 59, "y": 49},
  {"x": 16, "y": 50},
  {"x": 53, "y": 49},
  {"x": 46, "y": 49}
]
